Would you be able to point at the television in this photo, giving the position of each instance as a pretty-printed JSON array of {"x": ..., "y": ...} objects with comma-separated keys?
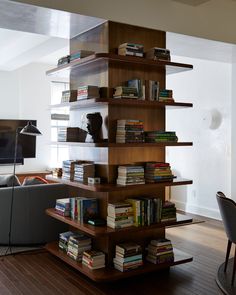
[{"x": 26, "y": 147}]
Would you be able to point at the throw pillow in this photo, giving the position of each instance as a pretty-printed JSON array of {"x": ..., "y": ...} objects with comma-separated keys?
[
  {"x": 32, "y": 180},
  {"x": 7, "y": 180}
]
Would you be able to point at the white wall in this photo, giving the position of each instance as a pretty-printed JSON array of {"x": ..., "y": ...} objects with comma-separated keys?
[
  {"x": 9, "y": 95},
  {"x": 208, "y": 125},
  {"x": 233, "y": 133},
  {"x": 26, "y": 95}
]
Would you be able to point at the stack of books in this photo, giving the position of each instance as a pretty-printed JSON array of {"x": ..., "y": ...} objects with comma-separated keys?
[
  {"x": 77, "y": 244},
  {"x": 64, "y": 239},
  {"x": 61, "y": 134},
  {"x": 80, "y": 54},
  {"x": 129, "y": 131},
  {"x": 119, "y": 215},
  {"x": 82, "y": 209},
  {"x": 73, "y": 56},
  {"x": 157, "y": 53},
  {"x": 146, "y": 211},
  {"x": 160, "y": 136},
  {"x": 93, "y": 259},
  {"x": 68, "y": 169},
  {"x": 128, "y": 256},
  {"x": 69, "y": 96},
  {"x": 131, "y": 49},
  {"x": 63, "y": 207},
  {"x": 160, "y": 251},
  {"x": 83, "y": 170},
  {"x": 166, "y": 95},
  {"x": 168, "y": 212},
  {"x": 158, "y": 171},
  {"x": 125, "y": 92},
  {"x": 130, "y": 175},
  {"x": 87, "y": 91}
]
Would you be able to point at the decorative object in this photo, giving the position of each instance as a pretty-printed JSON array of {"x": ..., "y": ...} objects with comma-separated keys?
[
  {"x": 75, "y": 134},
  {"x": 94, "y": 125},
  {"x": 31, "y": 130}
]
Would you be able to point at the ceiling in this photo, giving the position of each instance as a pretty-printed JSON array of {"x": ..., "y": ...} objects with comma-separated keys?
[{"x": 201, "y": 48}]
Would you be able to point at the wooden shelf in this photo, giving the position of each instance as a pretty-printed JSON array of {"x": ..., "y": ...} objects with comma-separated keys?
[
  {"x": 123, "y": 145},
  {"x": 111, "y": 274},
  {"x": 95, "y": 102},
  {"x": 115, "y": 187},
  {"x": 95, "y": 59},
  {"x": 96, "y": 231}
]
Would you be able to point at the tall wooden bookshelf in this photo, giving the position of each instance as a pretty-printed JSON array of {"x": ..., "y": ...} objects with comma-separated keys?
[{"x": 106, "y": 68}]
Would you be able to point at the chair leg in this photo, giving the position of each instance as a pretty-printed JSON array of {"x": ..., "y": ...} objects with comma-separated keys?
[
  {"x": 227, "y": 255},
  {"x": 234, "y": 268}
]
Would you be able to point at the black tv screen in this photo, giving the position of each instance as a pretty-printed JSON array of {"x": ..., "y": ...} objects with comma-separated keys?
[{"x": 26, "y": 147}]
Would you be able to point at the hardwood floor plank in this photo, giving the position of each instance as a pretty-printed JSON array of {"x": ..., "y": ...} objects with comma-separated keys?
[{"x": 42, "y": 273}]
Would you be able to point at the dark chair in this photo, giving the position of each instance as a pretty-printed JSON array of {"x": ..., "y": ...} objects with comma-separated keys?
[{"x": 228, "y": 214}]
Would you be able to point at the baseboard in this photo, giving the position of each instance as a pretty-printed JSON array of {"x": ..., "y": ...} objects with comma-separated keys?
[{"x": 203, "y": 211}]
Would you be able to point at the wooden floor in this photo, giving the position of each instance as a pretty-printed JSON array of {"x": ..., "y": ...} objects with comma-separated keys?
[{"x": 41, "y": 273}]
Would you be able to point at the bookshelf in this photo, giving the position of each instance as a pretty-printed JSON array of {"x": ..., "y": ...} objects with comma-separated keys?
[{"x": 106, "y": 68}]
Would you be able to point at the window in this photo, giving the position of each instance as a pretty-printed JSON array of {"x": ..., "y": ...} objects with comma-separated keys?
[{"x": 59, "y": 123}]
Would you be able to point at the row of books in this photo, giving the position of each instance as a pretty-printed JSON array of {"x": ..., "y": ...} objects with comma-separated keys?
[
  {"x": 129, "y": 255},
  {"x": 129, "y": 131},
  {"x": 78, "y": 170},
  {"x": 79, "y": 208},
  {"x": 134, "y": 88},
  {"x": 140, "y": 211},
  {"x": 133, "y": 49},
  {"x": 143, "y": 90}
]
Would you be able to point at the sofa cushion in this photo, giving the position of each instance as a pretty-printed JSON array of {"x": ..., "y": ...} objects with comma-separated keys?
[
  {"x": 7, "y": 180},
  {"x": 32, "y": 180}
]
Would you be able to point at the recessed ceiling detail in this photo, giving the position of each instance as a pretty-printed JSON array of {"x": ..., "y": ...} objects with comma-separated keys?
[{"x": 192, "y": 2}]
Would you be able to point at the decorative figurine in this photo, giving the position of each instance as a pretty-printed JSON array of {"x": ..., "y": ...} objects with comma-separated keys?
[{"x": 94, "y": 124}]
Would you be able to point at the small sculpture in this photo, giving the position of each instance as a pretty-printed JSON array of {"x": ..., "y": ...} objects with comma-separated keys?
[{"x": 94, "y": 124}]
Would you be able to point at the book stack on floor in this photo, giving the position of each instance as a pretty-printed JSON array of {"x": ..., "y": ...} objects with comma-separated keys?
[
  {"x": 87, "y": 91},
  {"x": 125, "y": 92},
  {"x": 119, "y": 215},
  {"x": 160, "y": 136},
  {"x": 146, "y": 211},
  {"x": 129, "y": 131},
  {"x": 63, "y": 207},
  {"x": 82, "y": 209},
  {"x": 93, "y": 259},
  {"x": 166, "y": 95},
  {"x": 77, "y": 244},
  {"x": 160, "y": 251},
  {"x": 157, "y": 53},
  {"x": 64, "y": 239},
  {"x": 168, "y": 212},
  {"x": 158, "y": 171},
  {"x": 131, "y": 49},
  {"x": 128, "y": 256},
  {"x": 130, "y": 175},
  {"x": 83, "y": 170}
]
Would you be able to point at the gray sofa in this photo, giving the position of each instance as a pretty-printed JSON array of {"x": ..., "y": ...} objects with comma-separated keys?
[{"x": 30, "y": 224}]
